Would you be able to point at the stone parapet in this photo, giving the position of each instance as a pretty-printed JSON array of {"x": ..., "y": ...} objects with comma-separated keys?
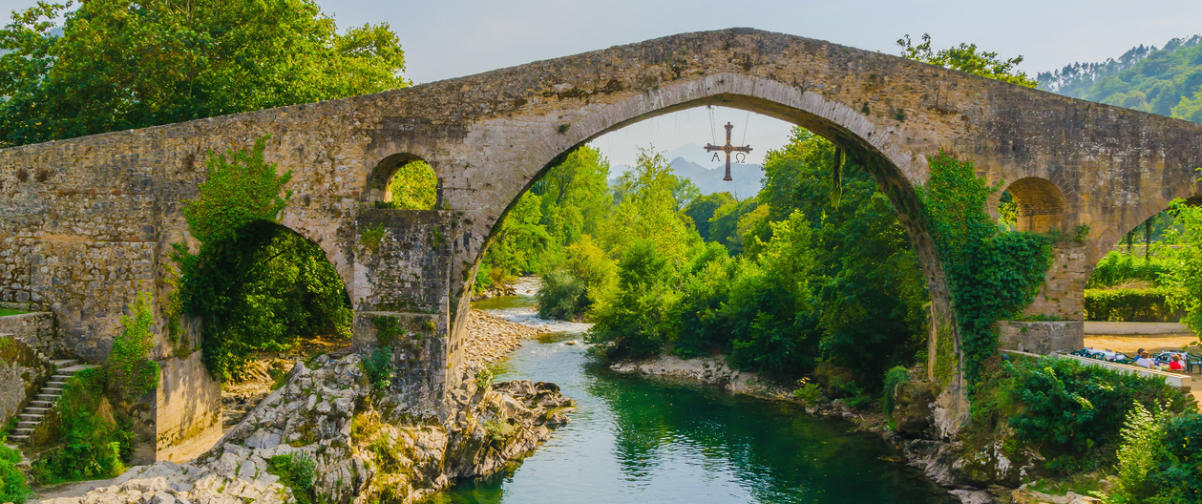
[{"x": 1041, "y": 337}]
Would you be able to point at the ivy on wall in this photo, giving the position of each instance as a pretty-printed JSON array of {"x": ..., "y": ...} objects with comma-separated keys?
[{"x": 991, "y": 273}]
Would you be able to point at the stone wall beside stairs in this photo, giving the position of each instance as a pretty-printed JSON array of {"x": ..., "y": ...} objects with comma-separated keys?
[
  {"x": 35, "y": 329},
  {"x": 22, "y": 370}
]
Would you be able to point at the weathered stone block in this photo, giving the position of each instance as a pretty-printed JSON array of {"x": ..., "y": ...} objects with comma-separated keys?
[{"x": 1041, "y": 337}]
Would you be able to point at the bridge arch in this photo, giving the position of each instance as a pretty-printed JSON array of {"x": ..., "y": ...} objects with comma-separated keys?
[
  {"x": 1040, "y": 205},
  {"x": 871, "y": 140}
]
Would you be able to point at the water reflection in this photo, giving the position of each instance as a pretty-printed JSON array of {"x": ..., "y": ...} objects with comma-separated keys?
[{"x": 636, "y": 440}]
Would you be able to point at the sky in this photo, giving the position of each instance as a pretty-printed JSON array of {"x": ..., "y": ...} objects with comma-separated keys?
[{"x": 452, "y": 38}]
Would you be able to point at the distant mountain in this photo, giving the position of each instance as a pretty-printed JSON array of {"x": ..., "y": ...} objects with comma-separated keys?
[
  {"x": 1166, "y": 81},
  {"x": 746, "y": 183},
  {"x": 747, "y": 177},
  {"x": 692, "y": 153}
]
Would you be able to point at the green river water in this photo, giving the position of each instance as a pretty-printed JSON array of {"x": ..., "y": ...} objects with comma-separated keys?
[{"x": 638, "y": 440}]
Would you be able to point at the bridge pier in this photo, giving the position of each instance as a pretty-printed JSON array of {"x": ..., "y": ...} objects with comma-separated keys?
[
  {"x": 1054, "y": 321},
  {"x": 401, "y": 297}
]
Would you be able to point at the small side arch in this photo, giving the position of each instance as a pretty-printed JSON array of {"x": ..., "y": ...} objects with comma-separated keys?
[
  {"x": 1040, "y": 204},
  {"x": 383, "y": 182}
]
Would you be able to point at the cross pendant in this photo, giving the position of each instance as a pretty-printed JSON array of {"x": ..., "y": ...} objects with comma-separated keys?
[{"x": 728, "y": 148}]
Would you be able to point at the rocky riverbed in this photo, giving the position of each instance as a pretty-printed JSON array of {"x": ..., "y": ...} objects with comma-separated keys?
[{"x": 362, "y": 448}]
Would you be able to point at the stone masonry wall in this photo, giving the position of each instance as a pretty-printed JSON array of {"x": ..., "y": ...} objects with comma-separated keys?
[
  {"x": 36, "y": 330},
  {"x": 402, "y": 281}
]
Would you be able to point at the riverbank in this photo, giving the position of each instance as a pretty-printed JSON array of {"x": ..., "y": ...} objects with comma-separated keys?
[
  {"x": 971, "y": 475},
  {"x": 355, "y": 442}
]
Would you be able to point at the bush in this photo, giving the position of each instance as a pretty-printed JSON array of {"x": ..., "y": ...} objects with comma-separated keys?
[
  {"x": 130, "y": 374},
  {"x": 378, "y": 366},
  {"x": 1159, "y": 461},
  {"x": 809, "y": 393},
  {"x": 297, "y": 472},
  {"x": 1130, "y": 305},
  {"x": 562, "y": 296},
  {"x": 1117, "y": 268},
  {"x": 640, "y": 320},
  {"x": 94, "y": 441},
  {"x": 1071, "y": 412},
  {"x": 894, "y": 378},
  {"x": 13, "y": 487}
]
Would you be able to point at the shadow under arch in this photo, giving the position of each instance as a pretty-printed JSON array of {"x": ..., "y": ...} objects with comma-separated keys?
[
  {"x": 893, "y": 168},
  {"x": 269, "y": 268}
]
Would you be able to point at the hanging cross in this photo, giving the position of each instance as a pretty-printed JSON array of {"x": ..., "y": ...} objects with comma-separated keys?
[{"x": 728, "y": 148}]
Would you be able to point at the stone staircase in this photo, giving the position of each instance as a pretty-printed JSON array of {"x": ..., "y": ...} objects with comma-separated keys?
[{"x": 41, "y": 404}]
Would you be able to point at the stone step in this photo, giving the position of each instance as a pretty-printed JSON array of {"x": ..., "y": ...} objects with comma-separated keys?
[
  {"x": 52, "y": 390},
  {"x": 31, "y": 415},
  {"x": 37, "y": 403},
  {"x": 62, "y": 377},
  {"x": 48, "y": 397},
  {"x": 64, "y": 362},
  {"x": 23, "y": 430},
  {"x": 75, "y": 368},
  {"x": 18, "y": 438},
  {"x": 27, "y": 423}
]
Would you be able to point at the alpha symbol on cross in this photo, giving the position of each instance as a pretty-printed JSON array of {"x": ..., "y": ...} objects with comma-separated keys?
[{"x": 728, "y": 148}]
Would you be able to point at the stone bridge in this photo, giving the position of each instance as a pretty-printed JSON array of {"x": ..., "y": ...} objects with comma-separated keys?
[{"x": 87, "y": 222}]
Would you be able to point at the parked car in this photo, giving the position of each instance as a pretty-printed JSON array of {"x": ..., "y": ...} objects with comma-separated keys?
[{"x": 1106, "y": 355}]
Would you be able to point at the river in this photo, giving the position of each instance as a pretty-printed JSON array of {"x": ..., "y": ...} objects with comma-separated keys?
[{"x": 649, "y": 440}]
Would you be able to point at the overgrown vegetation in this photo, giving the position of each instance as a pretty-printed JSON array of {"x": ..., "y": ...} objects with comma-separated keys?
[
  {"x": 992, "y": 273},
  {"x": 258, "y": 286},
  {"x": 91, "y": 425},
  {"x": 297, "y": 472},
  {"x": 13, "y": 487},
  {"x": 1070, "y": 413},
  {"x": 1159, "y": 461}
]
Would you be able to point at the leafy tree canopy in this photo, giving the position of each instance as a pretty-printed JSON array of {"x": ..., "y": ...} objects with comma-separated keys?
[
  {"x": 119, "y": 64},
  {"x": 966, "y": 58}
]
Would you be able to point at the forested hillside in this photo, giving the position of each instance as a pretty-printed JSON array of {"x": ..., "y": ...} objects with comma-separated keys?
[{"x": 1166, "y": 81}]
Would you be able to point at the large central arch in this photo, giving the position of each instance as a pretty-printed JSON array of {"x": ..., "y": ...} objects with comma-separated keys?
[{"x": 850, "y": 129}]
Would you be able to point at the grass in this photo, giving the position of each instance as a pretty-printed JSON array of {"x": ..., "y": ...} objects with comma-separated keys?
[{"x": 4, "y": 312}]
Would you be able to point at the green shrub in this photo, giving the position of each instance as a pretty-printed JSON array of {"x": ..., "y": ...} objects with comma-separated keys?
[
  {"x": 562, "y": 296},
  {"x": 1130, "y": 305},
  {"x": 94, "y": 440},
  {"x": 894, "y": 378},
  {"x": 809, "y": 393},
  {"x": 484, "y": 378},
  {"x": 378, "y": 366},
  {"x": 297, "y": 472},
  {"x": 13, "y": 487},
  {"x": 1159, "y": 461},
  {"x": 1071, "y": 412},
  {"x": 991, "y": 273},
  {"x": 1118, "y": 268},
  {"x": 639, "y": 322},
  {"x": 130, "y": 373}
]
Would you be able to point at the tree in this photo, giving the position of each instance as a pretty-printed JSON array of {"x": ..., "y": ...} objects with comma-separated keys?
[
  {"x": 119, "y": 64},
  {"x": 966, "y": 58}
]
